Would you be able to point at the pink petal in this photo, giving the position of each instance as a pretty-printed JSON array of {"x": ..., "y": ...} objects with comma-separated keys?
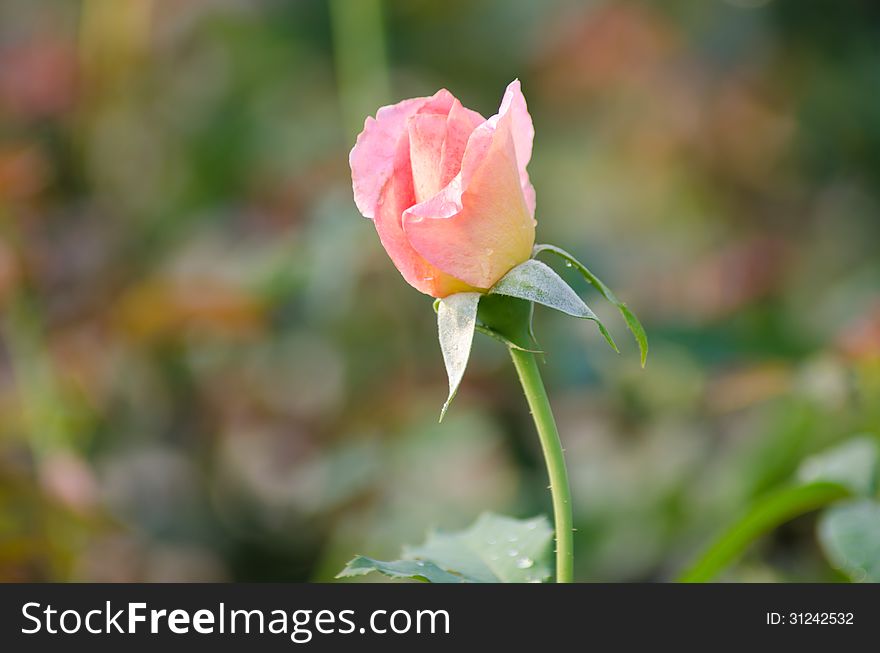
[
  {"x": 460, "y": 124},
  {"x": 372, "y": 157},
  {"x": 395, "y": 197},
  {"x": 514, "y": 103},
  {"x": 480, "y": 225},
  {"x": 437, "y": 144},
  {"x": 383, "y": 187},
  {"x": 440, "y": 102},
  {"x": 427, "y": 132}
]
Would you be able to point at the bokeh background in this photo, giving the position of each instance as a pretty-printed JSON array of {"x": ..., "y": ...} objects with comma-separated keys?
[{"x": 209, "y": 369}]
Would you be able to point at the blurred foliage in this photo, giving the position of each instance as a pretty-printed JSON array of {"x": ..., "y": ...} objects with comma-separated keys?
[
  {"x": 210, "y": 370},
  {"x": 494, "y": 549}
]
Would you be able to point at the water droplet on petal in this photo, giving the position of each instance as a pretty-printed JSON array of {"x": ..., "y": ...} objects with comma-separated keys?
[
  {"x": 512, "y": 538},
  {"x": 525, "y": 563},
  {"x": 513, "y": 553},
  {"x": 419, "y": 563},
  {"x": 491, "y": 540}
]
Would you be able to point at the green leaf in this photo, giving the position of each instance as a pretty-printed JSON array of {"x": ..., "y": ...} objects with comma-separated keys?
[
  {"x": 854, "y": 464},
  {"x": 629, "y": 317},
  {"x": 412, "y": 569},
  {"x": 850, "y": 536},
  {"x": 537, "y": 282},
  {"x": 495, "y": 549},
  {"x": 764, "y": 516},
  {"x": 456, "y": 321}
]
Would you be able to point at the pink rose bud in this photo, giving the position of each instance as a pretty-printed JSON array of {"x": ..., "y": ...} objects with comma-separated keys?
[{"x": 448, "y": 190}]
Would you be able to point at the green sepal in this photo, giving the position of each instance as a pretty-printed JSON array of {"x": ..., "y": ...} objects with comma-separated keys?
[
  {"x": 500, "y": 336},
  {"x": 535, "y": 281},
  {"x": 632, "y": 322},
  {"x": 508, "y": 317},
  {"x": 456, "y": 323}
]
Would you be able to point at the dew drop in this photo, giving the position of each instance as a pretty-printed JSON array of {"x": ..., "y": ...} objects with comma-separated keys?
[
  {"x": 512, "y": 538},
  {"x": 491, "y": 540},
  {"x": 419, "y": 563},
  {"x": 513, "y": 553},
  {"x": 568, "y": 264},
  {"x": 525, "y": 562}
]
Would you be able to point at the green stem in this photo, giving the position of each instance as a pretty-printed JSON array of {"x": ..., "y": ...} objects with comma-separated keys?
[
  {"x": 764, "y": 516},
  {"x": 361, "y": 64},
  {"x": 536, "y": 395}
]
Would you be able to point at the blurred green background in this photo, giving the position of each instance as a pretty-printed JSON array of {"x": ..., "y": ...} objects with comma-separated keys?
[{"x": 210, "y": 370}]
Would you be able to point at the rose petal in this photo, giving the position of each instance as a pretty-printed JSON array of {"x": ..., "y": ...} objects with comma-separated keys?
[
  {"x": 439, "y": 103},
  {"x": 480, "y": 225},
  {"x": 460, "y": 124},
  {"x": 514, "y": 103},
  {"x": 394, "y": 198},
  {"x": 437, "y": 145},
  {"x": 382, "y": 180},
  {"x": 432, "y": 158},
  {"x": 427, "y": 132},
  {"x": 373, "y": 155}
]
